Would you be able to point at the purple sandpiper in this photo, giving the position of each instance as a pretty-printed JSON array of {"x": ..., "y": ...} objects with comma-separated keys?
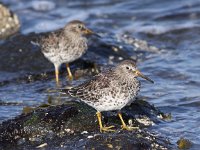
[
  {"x": 65, "y": 45},
  {"x": 111, "y": 90}
]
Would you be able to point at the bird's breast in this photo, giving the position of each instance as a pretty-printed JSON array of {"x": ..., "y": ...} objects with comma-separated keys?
[{"x": 74, "y": 50}]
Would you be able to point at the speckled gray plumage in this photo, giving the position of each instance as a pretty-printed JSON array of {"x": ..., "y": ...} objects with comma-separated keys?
[
  {"x": 64, "y": 45},
  {"x": 109, "y": 90}
]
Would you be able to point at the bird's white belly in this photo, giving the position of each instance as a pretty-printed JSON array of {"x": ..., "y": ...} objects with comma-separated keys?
[
  {"x": 109, "y": 103},
  {"x": 63, "y": 54},
  {"x": 71, "y": 55},
  {"x": 53, "y": 57}
]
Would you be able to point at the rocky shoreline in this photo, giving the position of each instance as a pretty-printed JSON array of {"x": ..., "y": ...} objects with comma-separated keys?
[{"x": 73, "y": 125}]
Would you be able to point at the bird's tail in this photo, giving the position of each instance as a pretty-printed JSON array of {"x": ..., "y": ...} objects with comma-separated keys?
[
  {"x": 35, "y": 43},
  {"x": 64, "y": 91}
]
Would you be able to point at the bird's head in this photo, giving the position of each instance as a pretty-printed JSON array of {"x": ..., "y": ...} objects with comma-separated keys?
[
  {"x": 128, "y": 69},
  {"x": 78, "y": 27}
]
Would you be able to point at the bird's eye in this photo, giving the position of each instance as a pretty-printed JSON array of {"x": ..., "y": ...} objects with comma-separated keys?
[
  {"x": 79, "y": 26},
  {"x": 127, "y": 68}
]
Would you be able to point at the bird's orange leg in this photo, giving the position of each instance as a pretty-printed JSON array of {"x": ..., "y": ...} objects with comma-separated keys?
[
  {"x": 57, "y": 75},
  {"x": 69, "y": 72},
  {"x": 106, "y": 129}
]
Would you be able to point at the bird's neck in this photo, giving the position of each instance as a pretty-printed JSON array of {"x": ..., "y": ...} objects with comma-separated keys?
[
  {"x": 127, "y": 79},
  {"x": 74, "y": 37}
]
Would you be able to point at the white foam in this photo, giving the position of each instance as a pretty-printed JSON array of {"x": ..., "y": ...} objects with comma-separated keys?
[
  {"x": 158, "y": 28},
  {"x": 43, "y": 5}
]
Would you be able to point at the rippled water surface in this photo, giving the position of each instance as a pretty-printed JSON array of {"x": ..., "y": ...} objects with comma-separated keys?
[{"x": 173, "y": 26}]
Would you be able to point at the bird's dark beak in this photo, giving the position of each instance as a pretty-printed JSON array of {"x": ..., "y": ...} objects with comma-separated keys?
[
  {"x": 90, "y": 32},
  {"x": 138, "y": 73}
]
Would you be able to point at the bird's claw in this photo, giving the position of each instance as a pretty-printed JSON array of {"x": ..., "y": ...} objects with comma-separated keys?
[
  {"x": 70, "y": 78},
  {"x": 107, "y": 129},
  {"x": 129, "y": 128}
]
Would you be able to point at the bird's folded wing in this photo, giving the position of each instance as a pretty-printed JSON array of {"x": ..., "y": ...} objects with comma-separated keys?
[{"x": 91, "y": 90}]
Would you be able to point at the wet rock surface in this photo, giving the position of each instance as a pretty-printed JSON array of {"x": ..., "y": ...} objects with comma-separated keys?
[
  {"x": 9, "y": 22},
  {"x": 74, "y": 125}
]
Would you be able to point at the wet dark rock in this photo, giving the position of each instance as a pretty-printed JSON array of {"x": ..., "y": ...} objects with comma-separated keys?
[
  {"x": 73, "y": 125},
  {"x": 35, "y": 125},
  {"x": 9, "y": 22}
]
